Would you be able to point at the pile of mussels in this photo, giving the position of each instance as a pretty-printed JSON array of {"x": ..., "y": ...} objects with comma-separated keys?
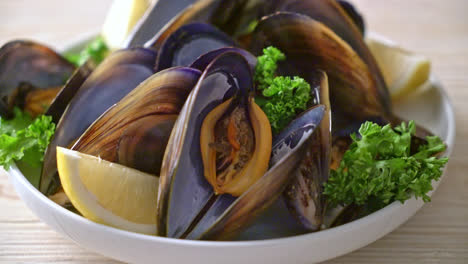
[{"x": 157, "y": 109}]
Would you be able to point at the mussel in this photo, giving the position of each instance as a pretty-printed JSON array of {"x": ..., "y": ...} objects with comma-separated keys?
[
  {"x": 114, "y": 78},
  {"x": 235, "y": 145},
  {"x": 192, "y": 203},
  {"x": 31, "y": 74}
]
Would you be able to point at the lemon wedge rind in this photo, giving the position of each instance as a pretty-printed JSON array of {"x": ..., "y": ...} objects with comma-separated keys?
[{"x": 127, "y": 201}]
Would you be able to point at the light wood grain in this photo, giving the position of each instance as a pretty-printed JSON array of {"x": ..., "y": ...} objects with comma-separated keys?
[{"x": 438, "y": 29}]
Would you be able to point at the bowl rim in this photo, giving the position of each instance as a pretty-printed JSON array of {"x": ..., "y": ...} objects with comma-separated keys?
[{"x": 387, "y": 210}]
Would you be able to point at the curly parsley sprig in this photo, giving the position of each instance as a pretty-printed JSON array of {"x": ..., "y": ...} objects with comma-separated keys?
[
  {"x": 282, "y": 98},
  {"x": 379, "y": 168},
  {"x": 97, "y": 50},
  {"x": 25, "y": 140}
]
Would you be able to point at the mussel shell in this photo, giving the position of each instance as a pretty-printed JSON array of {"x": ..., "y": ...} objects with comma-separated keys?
[
  {"x": 142, "y": 144},
  {"x": 24, "y": 61},
  {"x": 114, "y": 78},
  {"x": 188, "y": 43},
  {"x": 183, "y": 190},
  {"x": 134, "y": 132},
  {"x": 34, "y": 63}
]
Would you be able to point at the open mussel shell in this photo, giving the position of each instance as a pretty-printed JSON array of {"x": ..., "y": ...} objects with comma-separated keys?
[
  {"x": 183, "y": 190},
  {"x": 304, "y": 195},
  {"x": 134, "y": 132},
  {"x": 31, "y": 64},
  {"x": 187, "y": 205},
  {"x": 309, "y": 44},
  {"x": 188, "y": 43},
  {"x": 114, "y": 78}
]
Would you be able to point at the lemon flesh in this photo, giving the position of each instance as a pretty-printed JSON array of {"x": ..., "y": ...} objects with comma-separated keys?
[
  {"x": 109, "y": 193},
  {"x": 404, "y": 72},
  {"x": 122, "y": 17}
]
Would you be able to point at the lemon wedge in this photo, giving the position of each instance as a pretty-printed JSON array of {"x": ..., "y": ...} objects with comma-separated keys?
[
  {"x": 122, "y": 17},
  {"x": 403, "y": 71},
  {"x": 109, "y": 193}
]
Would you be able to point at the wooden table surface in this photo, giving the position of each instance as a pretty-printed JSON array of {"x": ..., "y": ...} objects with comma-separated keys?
[{"x": 438, "y": 233}]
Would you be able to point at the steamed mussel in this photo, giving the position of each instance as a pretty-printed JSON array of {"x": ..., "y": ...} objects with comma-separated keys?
[
  {"x": 184, "y": 109},
  {"x": 188, "y": 205},
  {"x": 31, "y": 75}
]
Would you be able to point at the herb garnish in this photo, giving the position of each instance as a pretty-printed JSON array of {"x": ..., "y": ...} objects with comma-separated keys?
[
  {"x": 97, "y": 50},
  {"x": 24, "y": 139},
  {"x": 378, "y": 168},
  {"x": 282, "y": 98}
]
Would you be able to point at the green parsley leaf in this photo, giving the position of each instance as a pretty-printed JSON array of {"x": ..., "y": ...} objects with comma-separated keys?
[
  {"x": 96, "y": 50},
  {"x": 25, "y": 140},
  {"x": 265, "y": 69},
  {"x": 282, "y": 97},
  {"x": 379, "y": 168}
]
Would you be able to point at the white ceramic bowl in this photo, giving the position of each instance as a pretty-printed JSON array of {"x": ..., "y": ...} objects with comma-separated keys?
[{"x": 430, "y": 108}]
